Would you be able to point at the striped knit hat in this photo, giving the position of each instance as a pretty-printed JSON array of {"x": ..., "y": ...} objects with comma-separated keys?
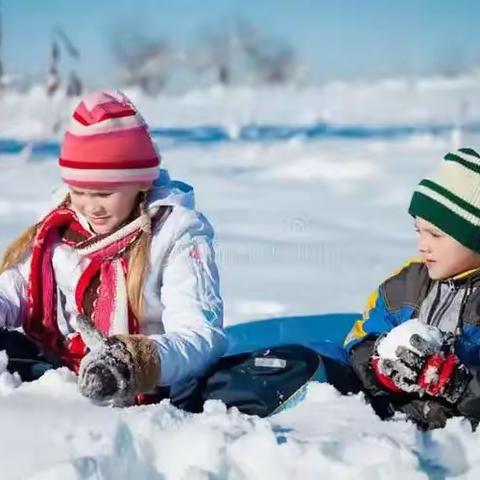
[
  {"x": 108, "y": 144},
  {"x": 450, "y": 197}
]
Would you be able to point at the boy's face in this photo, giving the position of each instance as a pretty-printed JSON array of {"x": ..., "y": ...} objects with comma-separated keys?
[
  {"x": 105, "y": 209},
  {"x": 442, "y": 254}
]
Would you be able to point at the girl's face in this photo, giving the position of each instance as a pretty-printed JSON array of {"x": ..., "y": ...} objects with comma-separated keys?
[
  {"x": 442, "y": 254},
  {"x": 105, "y": 209}
]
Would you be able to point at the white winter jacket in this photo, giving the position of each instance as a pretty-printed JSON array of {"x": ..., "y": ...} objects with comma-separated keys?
[{"x": 183, "y": 306}]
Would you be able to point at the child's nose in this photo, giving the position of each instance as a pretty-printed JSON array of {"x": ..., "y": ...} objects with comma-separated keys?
[
  {"x": 93, "y": 207},
  {"x": 423, "y": 246}
]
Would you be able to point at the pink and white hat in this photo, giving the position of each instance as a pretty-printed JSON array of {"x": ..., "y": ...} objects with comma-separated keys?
[{"x": 108, "y": 144}]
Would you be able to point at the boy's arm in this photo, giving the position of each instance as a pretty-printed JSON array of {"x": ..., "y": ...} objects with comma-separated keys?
[
  {"x": 468, "y": 351},
  {"x": 427, "y": 413},
  {"x": 469, "y": 404},
  {"x": 360, "y": 342},
  {"x": 390, "y": 305},
  {"x": 376, "y": 320}
]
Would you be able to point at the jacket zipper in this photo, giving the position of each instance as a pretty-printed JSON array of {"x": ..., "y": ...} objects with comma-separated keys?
[
  {"x": 436, "y": 317},
  {"x": 466, "y": 297},
  {"x": 434, "y": 304}
]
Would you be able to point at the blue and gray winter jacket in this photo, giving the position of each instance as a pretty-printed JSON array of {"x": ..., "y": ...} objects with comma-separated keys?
[{"x": 452, "y": 305}]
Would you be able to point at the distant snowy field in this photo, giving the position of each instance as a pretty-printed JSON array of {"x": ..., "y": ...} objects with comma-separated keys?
[{"x": 308, "y": 191}]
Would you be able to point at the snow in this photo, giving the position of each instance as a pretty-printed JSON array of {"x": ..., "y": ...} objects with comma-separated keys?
[
  {"x": 400, "y": 336},
  {"x": 394, "y": 101},
  {"x": 303, "y": 226},
  {"x": 51, "y": 432}
]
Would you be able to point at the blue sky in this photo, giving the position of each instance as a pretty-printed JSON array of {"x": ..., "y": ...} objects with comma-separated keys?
[{"x": 351, "y": 38}]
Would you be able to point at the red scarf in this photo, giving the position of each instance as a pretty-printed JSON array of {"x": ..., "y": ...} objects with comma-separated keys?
[{"x": 101, "y": 289}]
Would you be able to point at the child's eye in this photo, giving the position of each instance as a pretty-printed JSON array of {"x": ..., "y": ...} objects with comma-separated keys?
[
  {"x": 104, "y": 195},
  {"x": 436, "y": 235}
]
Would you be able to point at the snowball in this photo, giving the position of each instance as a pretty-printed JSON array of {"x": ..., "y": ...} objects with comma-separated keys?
[{"x": 401, "y": 334}]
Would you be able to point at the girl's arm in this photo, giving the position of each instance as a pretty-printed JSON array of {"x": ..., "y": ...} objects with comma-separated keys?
[
  {"x": 13, "y": 294},
  {"x": 193, "y": 308}
]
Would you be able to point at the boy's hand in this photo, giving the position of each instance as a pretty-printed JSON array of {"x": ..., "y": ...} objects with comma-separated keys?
[
  {"x": 400, "y": 354},
  {"x": 396, "y": 374},
  {"x": 423, "y": 368}
]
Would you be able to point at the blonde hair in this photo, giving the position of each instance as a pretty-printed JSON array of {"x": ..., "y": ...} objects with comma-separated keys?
[
  {"x": 138, "y": 260},
  {"x": 19, "y": 248}
]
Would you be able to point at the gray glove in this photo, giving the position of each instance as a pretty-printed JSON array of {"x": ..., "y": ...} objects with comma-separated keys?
[
  {"x": 117, "y": 367},
  {"x": 405, "y": 370},
  {"x": 400, "y": 355},
  {"x": 426, "y": 369}
]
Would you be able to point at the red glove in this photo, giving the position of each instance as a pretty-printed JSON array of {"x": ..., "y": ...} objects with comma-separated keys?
[{"x": 438, "y": 374}]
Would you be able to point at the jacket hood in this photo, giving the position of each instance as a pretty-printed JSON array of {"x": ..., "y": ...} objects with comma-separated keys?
[{"x": 168, "y": 192}]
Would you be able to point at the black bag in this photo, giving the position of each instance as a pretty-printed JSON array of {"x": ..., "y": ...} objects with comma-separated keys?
[
  {"x": 24, "y": 355},
  {"x": 263, "y": 382}
]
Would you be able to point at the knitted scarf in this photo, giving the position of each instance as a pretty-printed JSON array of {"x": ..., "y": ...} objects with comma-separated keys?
[{"x": 100, "y": 293}]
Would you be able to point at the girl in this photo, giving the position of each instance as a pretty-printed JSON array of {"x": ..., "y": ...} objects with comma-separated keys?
[{"x": 124, "y": 264}]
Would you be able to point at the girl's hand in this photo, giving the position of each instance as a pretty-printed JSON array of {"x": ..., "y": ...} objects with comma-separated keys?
[
  {"x": 117, "y": 368},
  {"x": 107, "y": 374}
]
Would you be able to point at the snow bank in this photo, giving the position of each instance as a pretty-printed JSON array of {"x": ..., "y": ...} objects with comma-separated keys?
[
  {"x": 394, "y": 101},
  {"x": 62, "y": 436}
]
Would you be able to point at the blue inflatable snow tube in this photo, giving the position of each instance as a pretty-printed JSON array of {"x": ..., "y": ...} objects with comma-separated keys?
[{"x": 323, "y": 333}]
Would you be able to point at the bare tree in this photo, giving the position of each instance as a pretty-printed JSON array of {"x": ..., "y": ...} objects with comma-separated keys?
[
  {"x": 269, "y": 59},
  {"x": 67, "y": 43},
  {"x": 238, "y": 53},
  {"x": 273, "y": 63},
  {"x": 53, "y": 77},
  {"x": 220, "y": 51},
  {"x": 74, "y": 85},
  {"x": 143, "y": 61},
  {"x": 61, "y": 41},
  {"x": 234, "y": 53},
  {"x": 214, "y": 53}
]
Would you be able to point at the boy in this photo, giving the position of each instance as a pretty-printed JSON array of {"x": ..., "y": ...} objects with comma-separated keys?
[{"x": 403, "y": 367}]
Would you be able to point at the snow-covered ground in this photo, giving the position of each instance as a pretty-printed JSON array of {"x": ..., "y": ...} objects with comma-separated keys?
[{"x": 304, "y": 225}]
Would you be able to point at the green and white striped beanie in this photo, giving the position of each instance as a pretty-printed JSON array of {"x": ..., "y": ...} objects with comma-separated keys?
[{"x": 450, "y": 197}]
